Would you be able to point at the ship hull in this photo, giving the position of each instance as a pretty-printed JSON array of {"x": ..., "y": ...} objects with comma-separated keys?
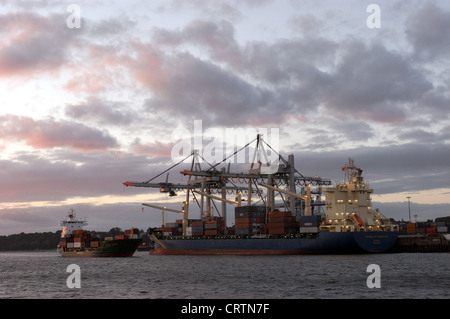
[
  {"x": 325, "y": 243},
  {"x": 111, "y": 248}
]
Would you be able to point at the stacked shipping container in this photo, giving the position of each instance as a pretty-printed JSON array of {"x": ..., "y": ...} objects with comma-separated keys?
[
  {"x": 249, "y": 220},
  {"x": 424, "y": 228},
  {"x": 196, "y": 227},
  {"x": 281, "y": 223},
  {"x": 79, "y": 239},
  {"x": 310, "y": 224},
  {"x": 214, "y": 226},
  {"x": 82, "y": 239}
]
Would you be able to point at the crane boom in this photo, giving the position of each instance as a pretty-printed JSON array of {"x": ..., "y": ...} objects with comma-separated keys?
[
  {"x": 184, "y": 212},
  {"x": 306, "y": 198},
  {"x": 218, "y": 198},
  {"x": 164, "y": 208}
]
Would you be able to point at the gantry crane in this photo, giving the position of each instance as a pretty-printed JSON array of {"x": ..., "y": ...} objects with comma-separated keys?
[{"x": 205, "y": 182}]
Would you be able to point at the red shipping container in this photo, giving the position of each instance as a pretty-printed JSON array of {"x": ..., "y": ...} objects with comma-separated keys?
[
  {"x": 94, "y": 244},
  {"x": 132, "y": 231},
  {"x": 280, "y": 219},
  {"x": 277, "y": 231},
  {"x": 211, "y": 232},
  {"x": 280, "y": 214},
  {"x": 278, "y": 225},
  {"x": 211, "y": 225},
  {"x": 197, "y": 224}
]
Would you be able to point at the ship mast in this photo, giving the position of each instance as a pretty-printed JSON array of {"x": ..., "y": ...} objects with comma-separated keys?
[{"x": 352, "y": 173}]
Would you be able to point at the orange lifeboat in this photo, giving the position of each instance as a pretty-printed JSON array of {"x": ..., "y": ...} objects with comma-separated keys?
[{"x": 357, "y": 220}]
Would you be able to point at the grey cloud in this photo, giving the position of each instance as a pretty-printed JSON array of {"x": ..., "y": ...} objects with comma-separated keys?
[
  {"x": 65, "y": 174},
  {"x": 390, "y": 169},
  {"x": 399, "y": 210},
  {"x": 365, "y": 81},
  {"x": 42, "y": 46},
  {"x": 50, "y": 133},
  {"x": 198, "y": 89},
  {"x": 427, "y": 31},
  {"x": 373, "y": 83},
  {"x": 101, "y": 111}
]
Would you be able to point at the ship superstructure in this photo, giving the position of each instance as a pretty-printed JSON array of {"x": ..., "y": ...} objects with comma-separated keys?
[
  {"x": 348, "y": 205},
  {"x": 71, "y": 223}
]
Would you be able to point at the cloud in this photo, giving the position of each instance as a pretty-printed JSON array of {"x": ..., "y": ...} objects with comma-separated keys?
[
  {"x": 193, "y": 88},
  {"x": 424, "y": 212},
  {"x": 101, "y": 111},
  {"x": 34, "y": 43},
  {"x": 99, "y": 218},
  {"x": 64, "y": 174},
  {"x": 374, "y": 84},
  {"x": 298, "y": 75},
  {"x": 215, "y": 36},
  {"x": 397, "y": 168},
  {"x": 49, "y": 133},
  {"x": 155, "y": 149},
  {"x": 426, "y": 31}
]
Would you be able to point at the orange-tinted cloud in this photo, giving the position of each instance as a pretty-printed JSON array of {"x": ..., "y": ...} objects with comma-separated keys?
[
  {"x": 50, "y": 133},
  {"x": 33, "y": 43},
  {"x": 155, "y": 149}
]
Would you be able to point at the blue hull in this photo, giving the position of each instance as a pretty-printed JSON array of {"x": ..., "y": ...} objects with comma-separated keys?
[{"x": 325, "y": 243}]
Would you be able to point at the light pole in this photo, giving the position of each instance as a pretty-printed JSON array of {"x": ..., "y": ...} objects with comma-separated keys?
[{"x": 409, "y": 208}]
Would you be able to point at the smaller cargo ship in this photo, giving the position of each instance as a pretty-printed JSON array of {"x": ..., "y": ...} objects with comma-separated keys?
[{"x": 75, "y": 242}]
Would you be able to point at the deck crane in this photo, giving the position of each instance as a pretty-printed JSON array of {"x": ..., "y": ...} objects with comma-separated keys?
[
  {"x": 306, "y": 198},
  {"x": 183, "y": 211}
]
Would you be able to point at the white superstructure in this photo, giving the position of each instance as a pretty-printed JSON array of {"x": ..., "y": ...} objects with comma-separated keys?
[
  {"x": 71, "y": 223},
  {"x": 348, "y": 205}
]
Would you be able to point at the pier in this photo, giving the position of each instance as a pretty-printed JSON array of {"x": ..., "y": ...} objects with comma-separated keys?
[{"x": 421, "y": 244}]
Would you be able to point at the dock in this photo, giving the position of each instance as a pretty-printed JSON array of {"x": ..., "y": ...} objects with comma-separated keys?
[{"x": 421, "y": 244}]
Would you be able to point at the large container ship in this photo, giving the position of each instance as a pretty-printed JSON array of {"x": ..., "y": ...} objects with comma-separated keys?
[
  {"x": 298, "y": 223},
  {"x": 348, "y": 226},
  {"x": 75, "y": 242}
]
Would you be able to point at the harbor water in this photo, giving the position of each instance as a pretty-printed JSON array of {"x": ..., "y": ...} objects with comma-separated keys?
[{"x": 44, "y": 275}]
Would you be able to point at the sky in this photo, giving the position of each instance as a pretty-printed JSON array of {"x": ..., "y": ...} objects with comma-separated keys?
[{"x": 85, "y": 107}]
